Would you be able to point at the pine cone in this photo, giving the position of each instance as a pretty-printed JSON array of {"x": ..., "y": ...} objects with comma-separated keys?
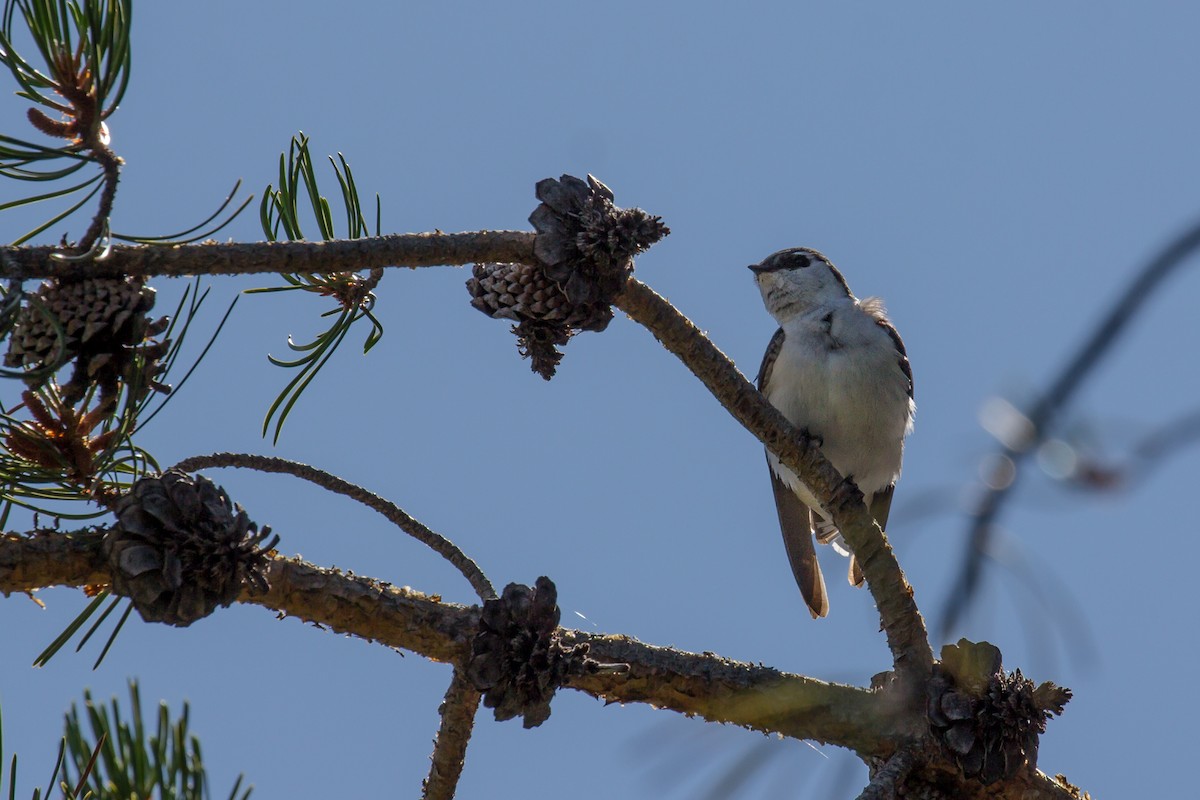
[
  {"x": 105, "y": 329},
  {"x": 994, "y": 735},
  {"x": 522, "y": 292},
  {"x": 585, "y": 243},
  {"x": 180, "y": 548},
  {"x": 516, "y": 658},
  {"x": 585, "y": 246},
  {"x": 545, "y": 318}
]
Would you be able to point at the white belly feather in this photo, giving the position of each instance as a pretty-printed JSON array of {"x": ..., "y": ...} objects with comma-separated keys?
[{"x": 840, "y": 379}]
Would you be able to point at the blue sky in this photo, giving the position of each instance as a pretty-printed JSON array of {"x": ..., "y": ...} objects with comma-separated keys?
[{"x": 994, "y": 173}]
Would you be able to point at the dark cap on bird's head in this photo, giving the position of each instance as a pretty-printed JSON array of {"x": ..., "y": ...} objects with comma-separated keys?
[
  {"x": 792, "y": 258},
  {"x": 794, "y": 262}
]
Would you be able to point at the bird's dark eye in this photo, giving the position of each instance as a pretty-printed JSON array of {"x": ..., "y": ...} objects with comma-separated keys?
[{"x": 800, "y": 260}]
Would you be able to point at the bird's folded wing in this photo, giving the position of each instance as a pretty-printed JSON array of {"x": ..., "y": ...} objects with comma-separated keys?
[
  {"x": 796, "y": 523},
  {"x": 881, "y": 505}
]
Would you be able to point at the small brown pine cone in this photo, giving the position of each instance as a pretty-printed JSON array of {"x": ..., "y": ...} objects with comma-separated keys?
[
  {"x": 585, "y": 247},
  {"x": 516, "y": 658},
  {"x": 585, "y": 243},
  {"x": 521, "y": 292},
  {"x": 100, "y": 324},
  {"x": 545, "y": 319},
  {"x": 180, "y": 548},
  {"x": 995, "y": 735}
]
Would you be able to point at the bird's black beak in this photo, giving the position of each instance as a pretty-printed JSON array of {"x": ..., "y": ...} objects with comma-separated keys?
[{"x": 756, "y": 268}]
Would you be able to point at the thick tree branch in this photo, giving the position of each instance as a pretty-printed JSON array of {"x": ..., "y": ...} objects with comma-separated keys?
[
  {"x": 341, "y": 255},
  {"x": 706, "y": 685},
  {"x": 51, "y": 558},
  {"x": 873, "y": 723},
  {"x": 752, "y": 696}
]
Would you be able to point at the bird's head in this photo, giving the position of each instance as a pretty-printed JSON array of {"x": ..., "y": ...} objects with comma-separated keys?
[{"x": 795, "y": 280}]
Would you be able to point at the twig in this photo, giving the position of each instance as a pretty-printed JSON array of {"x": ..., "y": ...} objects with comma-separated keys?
[
  {"x": 435, "y": 541},
  {"x": 898, "y": 613},
  {"x": 450, "y": 747},
  {"x": 111, "y": 164},
  {"x": 1155, "y": 447},
  {"x": 339, "y": 255},
  {"x": 1042, "y": 416}
]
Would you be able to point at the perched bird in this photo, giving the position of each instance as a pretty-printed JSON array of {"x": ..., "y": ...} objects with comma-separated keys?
[{"x": 837, "y": 369}]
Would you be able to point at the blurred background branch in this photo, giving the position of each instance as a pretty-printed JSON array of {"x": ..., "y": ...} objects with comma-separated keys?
[{"x": 1022, "y": 433}]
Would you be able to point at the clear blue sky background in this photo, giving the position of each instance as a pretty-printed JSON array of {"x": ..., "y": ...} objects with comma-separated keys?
[{"x": 994, "y": 172}]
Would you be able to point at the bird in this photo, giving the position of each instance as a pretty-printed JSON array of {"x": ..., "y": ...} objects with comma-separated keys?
[{"x": 838, "y": 370}]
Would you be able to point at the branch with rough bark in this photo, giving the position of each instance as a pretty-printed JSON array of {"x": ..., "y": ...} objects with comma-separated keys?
[
  {"x": 450, "y": 747},
  {"x": 707, "y": 685},
  {"x": 237, "y": 258},
  {"x": 870, "y": 722}
]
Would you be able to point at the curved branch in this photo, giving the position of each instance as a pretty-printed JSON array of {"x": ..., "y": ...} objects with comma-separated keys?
[
  {"x": 898, "y": 614},
  {"x": 1042, "y": 416},
  {"x": 396, "y": 515},
  {"x": 110, "y": 163},
  {"x": 339, "y": 255}
]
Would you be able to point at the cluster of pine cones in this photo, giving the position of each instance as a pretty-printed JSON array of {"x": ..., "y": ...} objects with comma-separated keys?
[
  {"x": 990, "y": 720},
  {"x": 585, "y": 246}
]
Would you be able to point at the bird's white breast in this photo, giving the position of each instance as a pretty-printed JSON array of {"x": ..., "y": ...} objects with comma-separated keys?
[{"x": 838, "y": 375}]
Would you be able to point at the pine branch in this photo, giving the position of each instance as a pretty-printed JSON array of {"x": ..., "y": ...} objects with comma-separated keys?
[
  {"x": 871, "y": 722},
  {"x": 394, "y": 514},
  {"x": 1042, "y": 415},
  {"x": 395, "y": 250},
  {"x": 450, "y": 747}
]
